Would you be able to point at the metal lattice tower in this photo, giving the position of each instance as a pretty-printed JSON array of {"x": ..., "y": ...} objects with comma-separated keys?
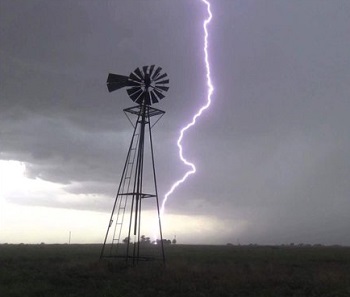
[{"x": 124, "y": 237}]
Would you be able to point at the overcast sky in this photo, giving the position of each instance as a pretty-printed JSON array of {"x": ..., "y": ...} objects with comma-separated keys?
[{"x": 272, "y": 152}]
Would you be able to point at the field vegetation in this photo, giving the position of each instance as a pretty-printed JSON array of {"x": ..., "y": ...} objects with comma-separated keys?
[{"x": 75, "y": 270}]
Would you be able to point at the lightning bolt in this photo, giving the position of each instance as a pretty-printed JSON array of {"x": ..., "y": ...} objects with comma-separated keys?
[{"x": 210, "y": 91}]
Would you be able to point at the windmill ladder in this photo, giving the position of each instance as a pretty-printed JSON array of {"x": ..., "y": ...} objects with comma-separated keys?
[{"x": 122, "y": 195}]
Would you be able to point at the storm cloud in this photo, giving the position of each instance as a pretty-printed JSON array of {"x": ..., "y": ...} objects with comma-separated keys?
[{"x": 273, "y": 149}]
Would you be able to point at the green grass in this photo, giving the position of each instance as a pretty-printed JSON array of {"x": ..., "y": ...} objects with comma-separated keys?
[{"x": 74, "y": 270}]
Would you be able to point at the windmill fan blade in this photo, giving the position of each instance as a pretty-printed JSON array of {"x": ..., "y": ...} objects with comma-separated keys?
[
  {"x": 138, "y": 72},
  {"x": 145, "y": 68},
  {"x": 134, "y": 93},
  {"x": 162, "y": 88},
  {"x": 159, "y": 94},
  {"x": 116, "y": 81},
  {"x": 133, "y": 77},
  {"x": 154, "y": 97},
  {"x": 151, "y": 70},
  {"x": 132, "y": 83},
  {"x": 162, "y": 76},
  {"x": 156, "y": 73},
  {"x": 133, "y": 90},
  {"x": 163, "y": 82},
  {"x": 140, "y": 99}
]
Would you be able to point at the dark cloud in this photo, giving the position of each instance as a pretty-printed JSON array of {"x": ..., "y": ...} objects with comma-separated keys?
[{"x": 273, "y": 150}]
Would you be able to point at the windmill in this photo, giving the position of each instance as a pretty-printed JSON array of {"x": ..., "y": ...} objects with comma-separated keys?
[{"x": 145, "y": 86}]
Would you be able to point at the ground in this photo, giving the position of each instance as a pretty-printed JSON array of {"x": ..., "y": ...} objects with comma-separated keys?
[{"x": 75, "y": 270}]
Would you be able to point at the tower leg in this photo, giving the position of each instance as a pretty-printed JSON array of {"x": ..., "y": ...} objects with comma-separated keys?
[{"x": 156, "y": 190}]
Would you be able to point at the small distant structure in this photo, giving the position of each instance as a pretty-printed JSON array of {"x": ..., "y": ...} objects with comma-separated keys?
[{"x": 174, "y": 240}]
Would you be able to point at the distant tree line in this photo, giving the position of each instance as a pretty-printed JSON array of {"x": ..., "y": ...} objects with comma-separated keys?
[{"x": 147, "y": 240}]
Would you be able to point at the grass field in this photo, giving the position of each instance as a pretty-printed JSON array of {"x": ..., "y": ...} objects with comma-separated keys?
[{"x": 74, "y": 270}]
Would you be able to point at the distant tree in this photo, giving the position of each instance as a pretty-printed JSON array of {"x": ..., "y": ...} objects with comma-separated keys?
[
  {"x": 173, "y": 241},
  {"x": 165, "y": 241},
  {"x": 145, "y": 240}
]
